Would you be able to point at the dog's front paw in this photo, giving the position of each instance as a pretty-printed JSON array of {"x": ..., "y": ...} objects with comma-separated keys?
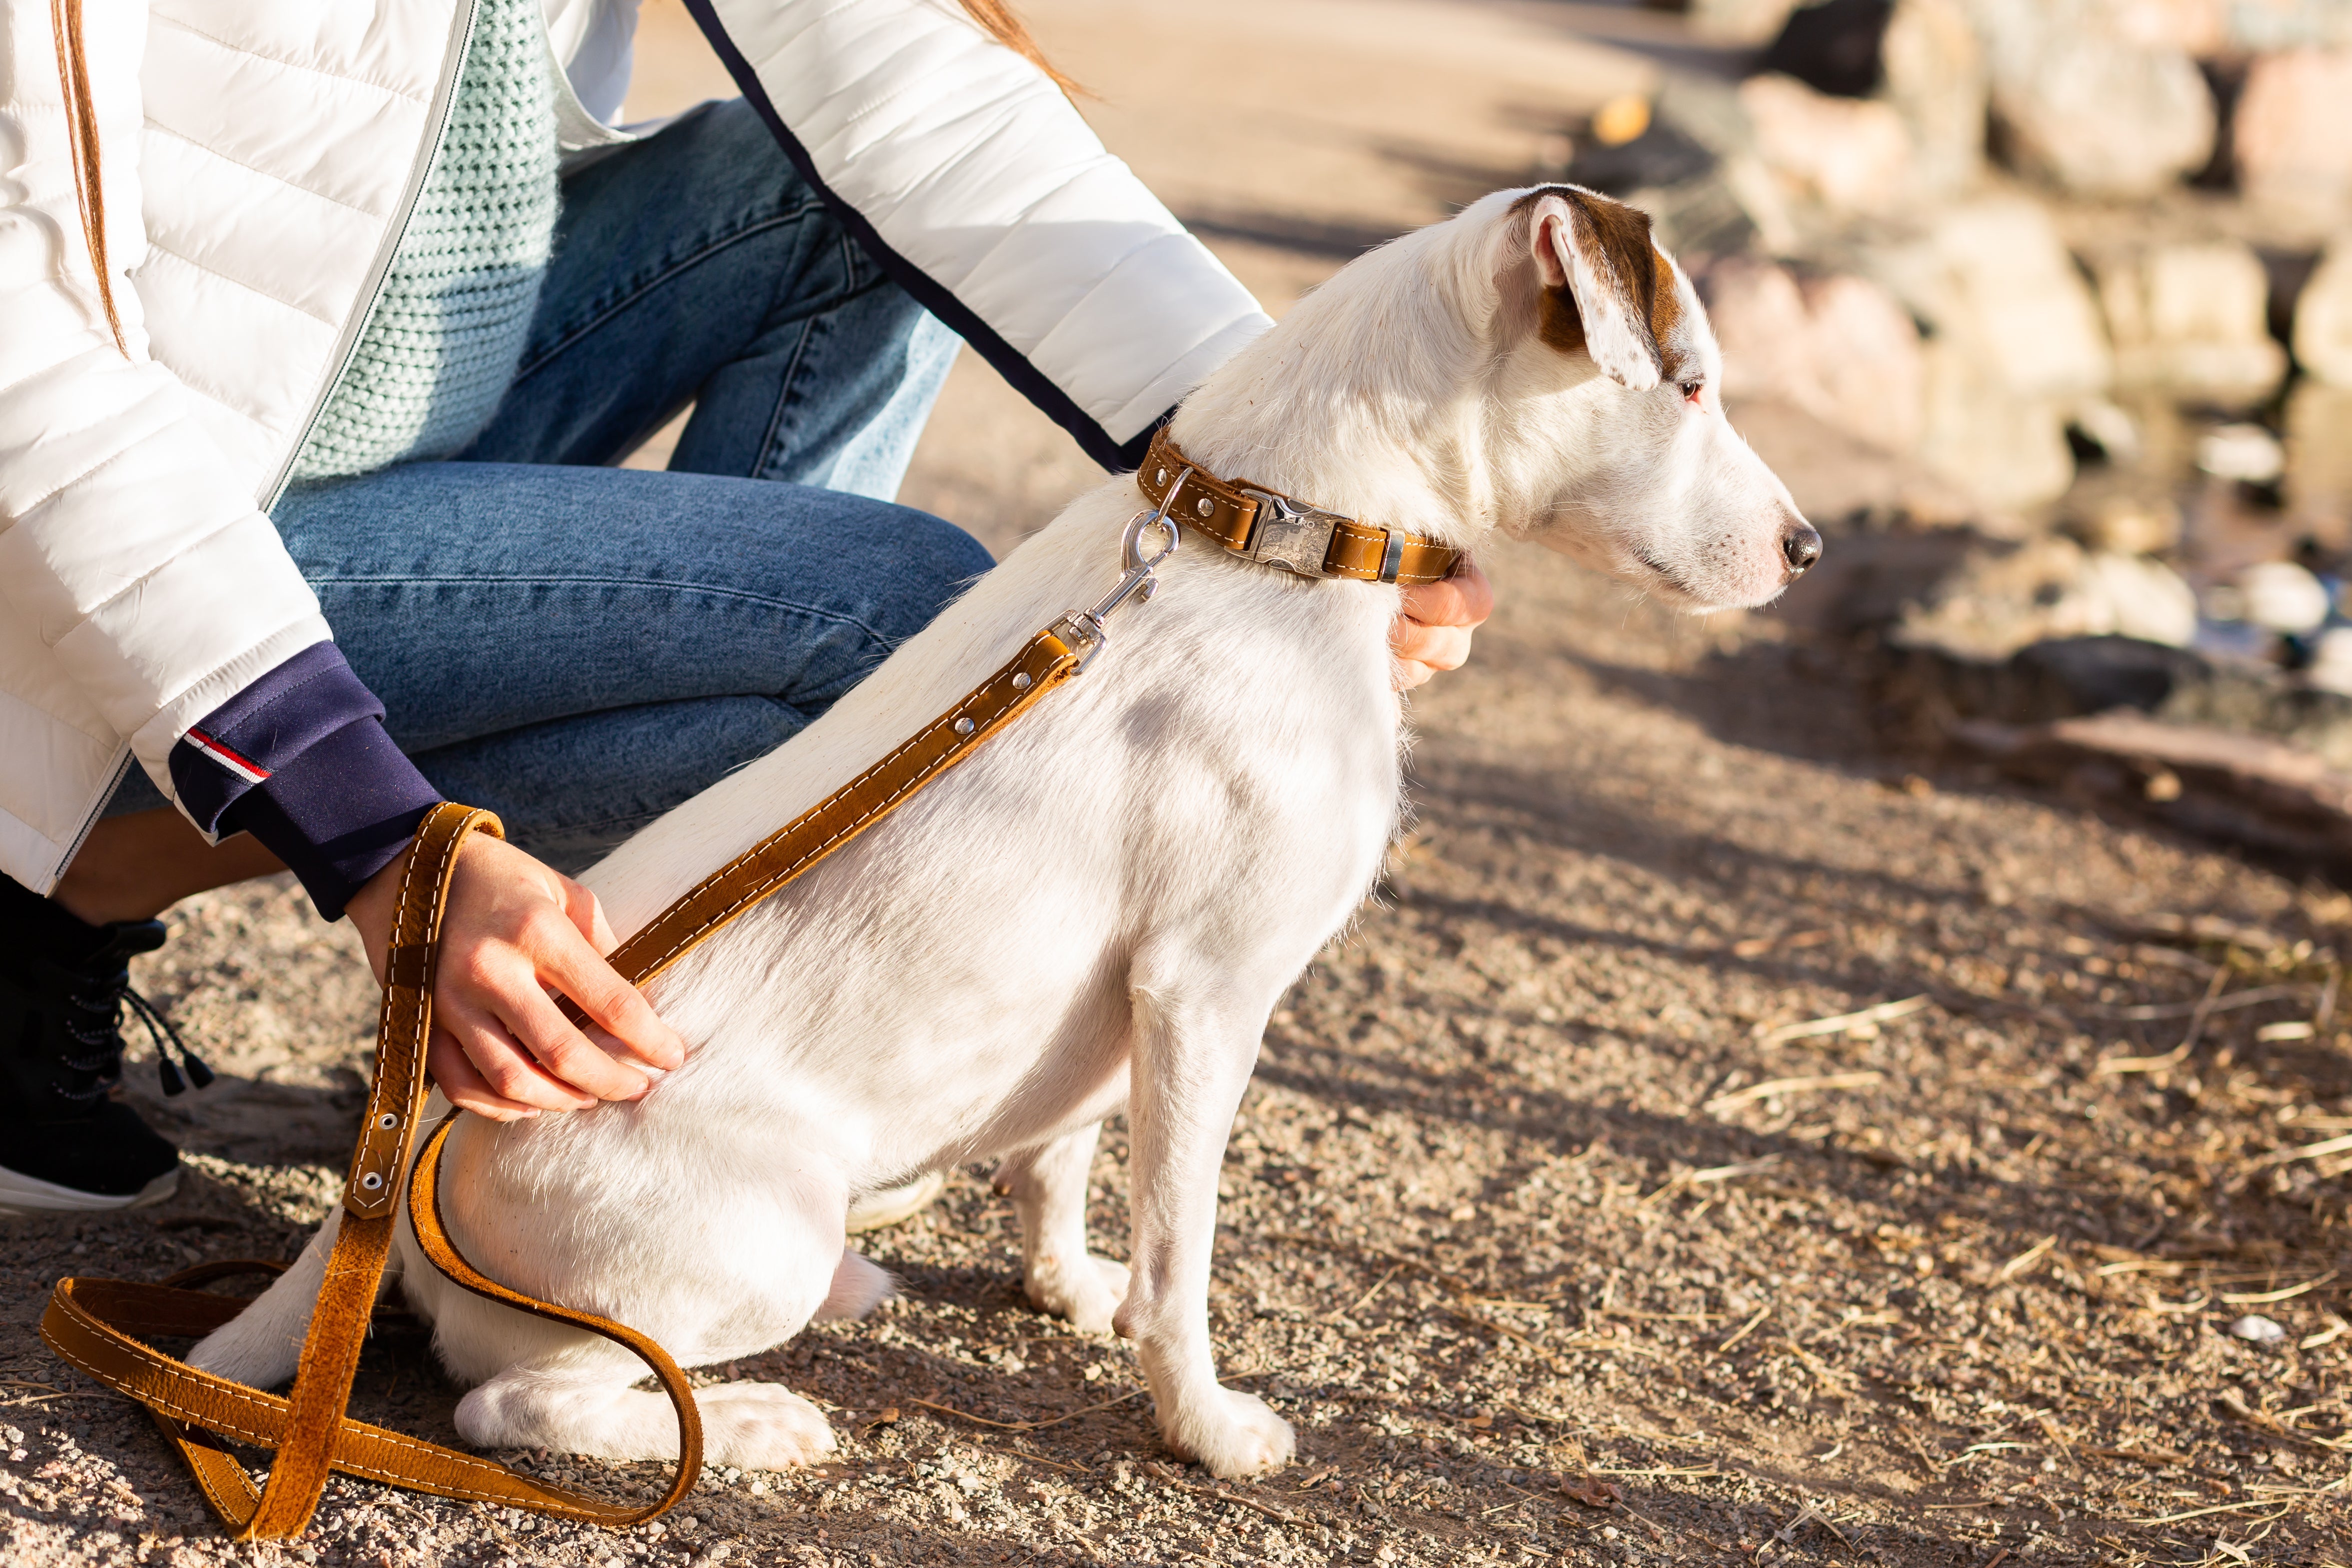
[
  {"x": 1087, "y": 1294},
  {"x": 762, "y": 1426},
  {"x": 1231, "y": 1434}
]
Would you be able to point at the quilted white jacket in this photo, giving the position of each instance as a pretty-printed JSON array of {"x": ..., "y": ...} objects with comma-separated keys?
[{"x": 260, "y": 157}]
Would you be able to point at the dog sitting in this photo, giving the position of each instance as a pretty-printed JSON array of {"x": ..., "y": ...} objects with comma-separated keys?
[{"x": 1101, "y": 907}]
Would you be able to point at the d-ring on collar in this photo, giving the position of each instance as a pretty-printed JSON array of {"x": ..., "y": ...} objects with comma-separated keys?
[{"x": 1269, "y": 528}]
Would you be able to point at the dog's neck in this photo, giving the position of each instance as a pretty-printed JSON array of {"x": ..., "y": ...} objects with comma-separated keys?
[{"x": 1369, "y": 398}]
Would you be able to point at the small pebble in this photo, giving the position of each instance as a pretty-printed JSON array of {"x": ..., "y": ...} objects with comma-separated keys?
[{"x": 2259, "y": 1330}]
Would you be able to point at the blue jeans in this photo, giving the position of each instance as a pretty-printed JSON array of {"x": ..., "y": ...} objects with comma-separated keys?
[{"x": 580, "y": 647}]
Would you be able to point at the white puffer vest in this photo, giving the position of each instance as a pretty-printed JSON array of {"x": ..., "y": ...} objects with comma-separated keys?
[{"x": 260, "y": 157}]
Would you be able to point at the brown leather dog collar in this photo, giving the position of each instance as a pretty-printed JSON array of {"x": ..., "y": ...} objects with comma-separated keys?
[{"x": 1270, "y": 528}]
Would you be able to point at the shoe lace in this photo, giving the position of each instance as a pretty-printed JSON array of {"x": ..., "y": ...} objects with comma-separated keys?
[{"x": 99, "y": 1030}]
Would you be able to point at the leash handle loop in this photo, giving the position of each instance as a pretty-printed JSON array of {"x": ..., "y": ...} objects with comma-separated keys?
[
  {"x": 94, "y": 1323},
  {"x": 331, "y": 1352},
  {"x": 405, "y": 1023}
]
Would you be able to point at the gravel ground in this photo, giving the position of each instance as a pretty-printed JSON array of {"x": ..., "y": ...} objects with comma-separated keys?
[{"x": 1555, "y": 1241}]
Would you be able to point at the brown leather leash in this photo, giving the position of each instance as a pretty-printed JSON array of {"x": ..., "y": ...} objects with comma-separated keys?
[
  {"x": 98, "y": 1324},
  {"x": 101, "y": 1325}
]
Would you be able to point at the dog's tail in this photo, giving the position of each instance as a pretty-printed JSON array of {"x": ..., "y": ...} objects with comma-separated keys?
[
  {"x": 859, "y": 1285},
  {"x": 262, "y": 1344}
]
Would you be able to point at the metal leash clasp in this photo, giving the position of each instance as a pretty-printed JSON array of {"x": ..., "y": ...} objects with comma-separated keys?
[{"x": 1083, "y": 629}]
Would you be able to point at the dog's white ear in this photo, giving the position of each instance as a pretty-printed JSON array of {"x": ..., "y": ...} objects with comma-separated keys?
[{"x": 1599, "y": 273}]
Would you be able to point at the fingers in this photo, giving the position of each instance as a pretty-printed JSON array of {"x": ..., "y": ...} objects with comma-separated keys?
[
  {"x": 579, "y": 972},
  {"x": 501, "y": 1045},
  {"x": 600, "y": 991},
  {"x": 1423, "y": 650},
  {"x": 587, "y": 912},
  {"x": 524, "y": 1053},
  {"x": 1432, "y": 628},
  {"x": 502, "y": 993},
  {"x": 465, "y": 1087},
  {"x": 515, "y": 930},
  {"x": 1464, "y": 599},
  {"x": 1438, "y": 647}
]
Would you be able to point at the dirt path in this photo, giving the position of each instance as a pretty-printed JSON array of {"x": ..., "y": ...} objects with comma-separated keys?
[
  {"x": 1521, "y": 1194},
  {"x": 1537, "y": 1199}
]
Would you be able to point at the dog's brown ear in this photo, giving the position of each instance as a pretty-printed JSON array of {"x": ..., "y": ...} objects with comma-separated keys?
[{"x": 1599, "y": 273}]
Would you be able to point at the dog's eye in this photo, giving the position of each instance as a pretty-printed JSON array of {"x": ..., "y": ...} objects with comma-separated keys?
[{"x": 1691, "y": 390}]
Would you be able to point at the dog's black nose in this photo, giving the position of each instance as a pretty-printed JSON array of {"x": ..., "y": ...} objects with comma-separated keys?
[{"x": 1799, "y": 546}]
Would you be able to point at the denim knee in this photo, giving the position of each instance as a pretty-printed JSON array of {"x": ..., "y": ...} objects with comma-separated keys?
[
  {"x": 727, "y": 143},
  {"x": 937, "y": 562},
  {"x": 731, "y": 144}
]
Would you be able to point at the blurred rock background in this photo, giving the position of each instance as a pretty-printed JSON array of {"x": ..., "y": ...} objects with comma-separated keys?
[
  {"x": 2043, "y": 306},
  {"x": 2082, "y": 270}
]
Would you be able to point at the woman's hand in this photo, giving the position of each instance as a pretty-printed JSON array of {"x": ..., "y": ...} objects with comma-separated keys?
[
  {"x": 1433, "y": 633},
  {"x": 513, "y": 930}
]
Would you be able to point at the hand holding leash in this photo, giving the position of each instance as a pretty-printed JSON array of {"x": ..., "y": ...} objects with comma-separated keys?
[{"x": 502, "y": 1046}]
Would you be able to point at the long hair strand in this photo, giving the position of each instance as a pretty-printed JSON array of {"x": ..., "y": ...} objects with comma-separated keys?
[
  {"x": 81, "y": 128},
  {"x": 996, "y": 19}
]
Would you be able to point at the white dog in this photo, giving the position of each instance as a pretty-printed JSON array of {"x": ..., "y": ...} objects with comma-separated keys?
[{"x": 1101, "y": 907}]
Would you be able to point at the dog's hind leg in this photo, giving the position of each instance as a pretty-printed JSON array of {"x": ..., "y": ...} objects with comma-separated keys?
[
  {"x": 262, "y": 1344},
  {"x": 1193, "y": 1055},
  {"x": 592, "y": 1409},
  {"x": 729, "y": 1273},
  {"x": 1048, "y": 1184}
]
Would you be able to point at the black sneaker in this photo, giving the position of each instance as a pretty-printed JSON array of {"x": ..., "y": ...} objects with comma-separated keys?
[{"x": 67, "y": 1142}]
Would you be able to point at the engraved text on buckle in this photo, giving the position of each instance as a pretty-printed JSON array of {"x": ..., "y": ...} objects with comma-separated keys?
[{"x": 1295, "y": 537}]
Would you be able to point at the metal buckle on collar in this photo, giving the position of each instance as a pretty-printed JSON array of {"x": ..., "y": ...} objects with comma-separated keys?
[{"x": 1292, "y": 537}]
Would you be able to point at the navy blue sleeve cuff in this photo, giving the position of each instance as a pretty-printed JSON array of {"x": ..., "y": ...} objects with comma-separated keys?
[{"x": 300, "y": 760}]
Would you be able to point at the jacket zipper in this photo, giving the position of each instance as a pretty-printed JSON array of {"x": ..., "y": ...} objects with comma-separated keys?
[{"x": 445, "y": 97}]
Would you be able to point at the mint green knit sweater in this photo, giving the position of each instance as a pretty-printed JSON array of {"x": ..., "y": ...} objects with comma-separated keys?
[{"x": 441, "y": 346}]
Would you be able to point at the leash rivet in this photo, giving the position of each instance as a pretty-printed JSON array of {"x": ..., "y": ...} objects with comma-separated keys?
[
  {"x": 387, "y": 1121},
  {"x": 370, "y": 1181},
  {"x": 963, "y": 726},
  {"x": 1160, "y": 477},
  {"x": 1205, "y": 506},
  {"x": 1021, "y": 682}
]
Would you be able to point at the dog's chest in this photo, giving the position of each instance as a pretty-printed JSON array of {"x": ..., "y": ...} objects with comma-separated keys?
[{"x": 1244, "y": 742}]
